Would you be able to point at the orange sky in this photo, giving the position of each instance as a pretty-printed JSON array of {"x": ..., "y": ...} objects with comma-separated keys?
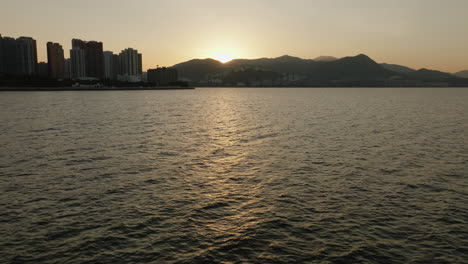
[{"x": 416, "y": 33}]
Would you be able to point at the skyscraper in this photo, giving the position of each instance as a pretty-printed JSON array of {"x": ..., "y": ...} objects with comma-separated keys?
[
  {"x": 78, "y": 63},
  {"x": 108, "y": 64},
  {"x": 26, "y": 56},
  {"x": 55, "y": 60},
  {"x": 18, "y": 56},
  {"x": 94, "y": 58},
  {"x": 78, "y": 43},
  {"x": 111, "y": 65},
  {"x": 140, "y": 64},
  {"x": 116, "y": 65},
  {"x": 130, "y": 62},
  {"x": 8, "y": 55}
]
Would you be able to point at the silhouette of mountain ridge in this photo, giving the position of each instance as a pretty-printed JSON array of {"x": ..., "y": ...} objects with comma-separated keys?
[
  {"x": 358, "y": 70},
  {"x": 431, "y": 75},
  {"x": 359, "y": 67}
]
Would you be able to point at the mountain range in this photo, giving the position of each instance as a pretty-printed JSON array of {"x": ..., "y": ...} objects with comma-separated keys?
[{"x": 287, "y": 70}]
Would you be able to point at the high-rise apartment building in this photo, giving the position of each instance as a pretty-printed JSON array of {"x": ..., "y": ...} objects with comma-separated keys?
[
  {"x": 8, "y": 61},
  {"x": 116, "y": 65},
  {"x": 108, "y": 71},
  {"x": 111, "y": 65},
  {"x": 18, "y": 56},
  {"x": 67, "y": 72},
  {"x": 94, "y": 57},
  {"x": 130, "y": 62},
  {"x": 140, "y": 63},
  {"x": 26, "y": 56},
  {"x": 55, "y": 60},
  {"x": 78, "y": 63}
]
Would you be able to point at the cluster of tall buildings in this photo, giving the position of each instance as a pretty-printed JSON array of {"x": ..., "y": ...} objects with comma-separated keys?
[{"x": 88, "y": 59}]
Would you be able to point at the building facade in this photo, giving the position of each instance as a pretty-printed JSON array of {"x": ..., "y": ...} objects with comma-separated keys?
[
  {"x": 18, "y": 56},
  {"x": 130, "y": 62},
  {"x": 55, "y": 60},
  {"x": 116, "y": 65},
  {"x": 111, "y": 65},
  {"x": 94, "y": 57},
  {"x": 8, "y": 53},
  {"x": 43, "y": 69},
  {"x": 26, "y": 56},
  {"x": 67, "y": 71},
  {"x": 78, "y": 63},
  {"x": 10, "y": 56},
  {"x": 140, "y": 64}
]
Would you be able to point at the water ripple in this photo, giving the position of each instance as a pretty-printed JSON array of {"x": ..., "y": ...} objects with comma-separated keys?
[{"x": 234, "y": 176}]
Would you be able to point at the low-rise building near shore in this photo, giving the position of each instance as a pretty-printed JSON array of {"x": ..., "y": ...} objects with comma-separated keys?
[{"x": 163, "y": 76}]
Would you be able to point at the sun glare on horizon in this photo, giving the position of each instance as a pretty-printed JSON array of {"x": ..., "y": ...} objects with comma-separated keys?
[{"x": 224, "y": 57}]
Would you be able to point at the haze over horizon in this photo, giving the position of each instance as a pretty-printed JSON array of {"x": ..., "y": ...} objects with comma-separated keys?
[{"x": 419, "y": 33}]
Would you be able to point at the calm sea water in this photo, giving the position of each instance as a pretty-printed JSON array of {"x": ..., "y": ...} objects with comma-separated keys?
[{"x": 234, "y": 176}]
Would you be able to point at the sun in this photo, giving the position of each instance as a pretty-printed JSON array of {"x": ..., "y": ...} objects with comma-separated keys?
[{"x": 224, "y": 57}]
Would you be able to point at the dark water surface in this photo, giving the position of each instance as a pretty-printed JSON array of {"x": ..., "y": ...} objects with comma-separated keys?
[{"x": 234, "y": 176}]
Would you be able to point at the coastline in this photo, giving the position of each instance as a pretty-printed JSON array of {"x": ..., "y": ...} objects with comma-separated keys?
[{"x": 63, "y": 89}]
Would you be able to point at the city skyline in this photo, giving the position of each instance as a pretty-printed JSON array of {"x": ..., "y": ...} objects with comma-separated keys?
[
  {"x": 88, "y": 63},
  {"x": 169, "y": 32}
]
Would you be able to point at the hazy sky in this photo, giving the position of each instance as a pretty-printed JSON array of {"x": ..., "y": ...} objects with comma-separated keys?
[{"x": 415, "y": 33}]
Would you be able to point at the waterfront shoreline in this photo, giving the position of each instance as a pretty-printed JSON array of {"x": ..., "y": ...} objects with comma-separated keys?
[{"x": 63, "y": 89}]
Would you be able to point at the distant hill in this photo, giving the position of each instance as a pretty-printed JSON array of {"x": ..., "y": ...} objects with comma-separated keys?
[
  {"x": 462, "y": 74},
  {"x": 349, "y": 67},
  {"x": 287, "y": 70},
  {"x": 284, "y": 64},
  {"x": 360, "y": 67},
  {"x": 326, "y": 58},
  {"x": 397, "y": 68},
  {"x": 197, "y": 70},
  {"x": 431, "y": 75}
]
